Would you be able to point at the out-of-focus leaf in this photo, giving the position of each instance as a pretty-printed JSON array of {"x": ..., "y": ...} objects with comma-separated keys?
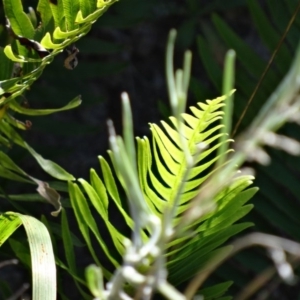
[
  {"x": 41, "y": 252},
  {"x": 216, "y": 291},
  {"x": 21, "y": 251},
  {"x": 41, "y": 112}
]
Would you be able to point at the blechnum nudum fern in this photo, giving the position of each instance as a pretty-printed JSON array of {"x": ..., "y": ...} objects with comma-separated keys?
[{"x": 184, "y": 188}]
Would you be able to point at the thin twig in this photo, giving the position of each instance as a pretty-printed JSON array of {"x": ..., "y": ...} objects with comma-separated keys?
[
  {"x": 19, "y": 292},
  {"x": 253, "y": 239},
  {"x": 8, "y": 262},
  {"x": 266, "y": 69},
  {"x": 262, "y": 279}
]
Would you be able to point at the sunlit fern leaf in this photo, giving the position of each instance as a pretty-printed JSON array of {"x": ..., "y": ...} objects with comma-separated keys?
[
  {"x": 33, "y": 48},
  {"x": 160, "y": 190},
  {"x": 161, "y": 167},
  {"x": 171, "y": 162},
  {"x": 86, "y": 223},
  {"x": 61, "y": 25},
  {"x": 117, "y": 237}
]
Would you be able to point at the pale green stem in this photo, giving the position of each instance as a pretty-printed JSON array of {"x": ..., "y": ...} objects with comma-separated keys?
[
  {"x": 228, "y": 84},
  {"x": 170, "y": 70},
  {"x": 253, "y": 239},
  {"x": 128, "y": 131},
  {"x": 169, "y": 292}
]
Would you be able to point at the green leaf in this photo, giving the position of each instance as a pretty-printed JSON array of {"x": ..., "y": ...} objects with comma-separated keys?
[
  {"x": 21, "y": 251},
  {"x": 215, "y": 291},
  {"x": 116, "y": 236},
  {"x": 44, "y": 10},
  {"x": 59, "y": 34},
  {"x": 8, "y": 225},
  {"x": 68, "y": 243},
  {"x": 5, "y": 173},
  {"x": 58, "y": 13},
  {"x": 86, "y": 223},
  {"x": 269, "y": 35},
  {"x": 100, "y": 189},
  {"x": 167, "y": 143},
  {"x": 87, "y": 7},
  {"x": 197, "y": 255},
  {"x": 14, "y": 105},
  {"x": 94, "y": 279},
  {"x": 8, "y": 85},
  {"x": 70, "y": 8},
  {"x": 25, "y": 197},
  {"x": 19, "y": 21},
  {"x": 47, "y": 165},
  {"x": 161, "y": 169},
  {"x": 112, "y": 190},
  {"x": 10, "y": 54},
  {"x": 47, "y": 42},
  {"x": 41, "y": 252},
  {"x": 7, "y": 163},
  {"x": 189, "y": 267}
]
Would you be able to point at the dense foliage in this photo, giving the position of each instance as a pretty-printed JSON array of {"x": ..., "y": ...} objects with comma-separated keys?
[{"x": 30, "y": 42}]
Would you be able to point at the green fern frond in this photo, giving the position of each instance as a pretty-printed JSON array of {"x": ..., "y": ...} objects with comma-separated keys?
[
  {"x": 170, "y": 160},
  {"x": 62, "y": 23},
  {"x": 33, "y": 47},
  {"x": 161, "y": 168}
]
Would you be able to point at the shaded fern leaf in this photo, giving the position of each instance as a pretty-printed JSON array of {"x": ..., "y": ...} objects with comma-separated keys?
[
  {"x": 216, "y": 291},
  {"x": 277, "y": 179}
]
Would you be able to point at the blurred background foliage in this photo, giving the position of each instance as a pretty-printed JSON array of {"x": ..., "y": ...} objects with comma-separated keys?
[{"x": 125, "y": 51}]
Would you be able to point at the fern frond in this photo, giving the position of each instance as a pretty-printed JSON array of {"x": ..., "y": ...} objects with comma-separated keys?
[
  {"x": 169, "y": 158},
  {"x": 161, "y": 168},
  {"x": 62, "y": 23},
  {"x": 33, "y": 47}
]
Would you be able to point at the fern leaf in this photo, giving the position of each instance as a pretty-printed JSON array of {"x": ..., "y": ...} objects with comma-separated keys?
[
  {"x": 161, "y": 168},
  {"x": 62, "y": 24},
  {"x": 172, "y": 166}
]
